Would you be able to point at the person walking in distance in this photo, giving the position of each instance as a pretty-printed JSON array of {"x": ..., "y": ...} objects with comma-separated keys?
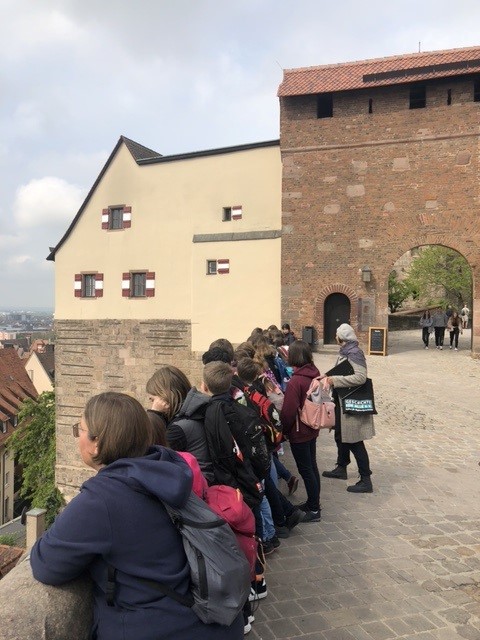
[
  {"x": 464, "y": 313},
  {"x": 351, "y": 430},
  {"x": 440, "y": 320},
  {"x": 455, "y": 327},
  {"x": 426, "y": 323}
]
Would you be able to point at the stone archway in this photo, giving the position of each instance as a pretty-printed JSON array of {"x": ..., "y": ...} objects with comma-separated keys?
[{"x": 339, "y": 288}]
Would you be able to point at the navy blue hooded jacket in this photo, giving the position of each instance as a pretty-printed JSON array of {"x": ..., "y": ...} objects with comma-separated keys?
[{"x": 118, "y": 519}]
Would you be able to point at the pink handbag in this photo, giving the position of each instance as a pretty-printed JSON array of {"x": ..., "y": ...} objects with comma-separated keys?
[{"x": 318, "y": 411}]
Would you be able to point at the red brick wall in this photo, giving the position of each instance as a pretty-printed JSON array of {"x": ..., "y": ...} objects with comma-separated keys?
[{"x": 361, "y": 189}]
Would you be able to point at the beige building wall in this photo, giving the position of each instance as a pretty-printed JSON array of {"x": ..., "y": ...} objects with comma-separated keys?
[
  {"x": 171, "y": 202},
  {"x": 37, "y": 374}
]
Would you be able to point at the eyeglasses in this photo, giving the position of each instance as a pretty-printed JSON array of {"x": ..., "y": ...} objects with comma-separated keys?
[{"x": 76, "y": 428}]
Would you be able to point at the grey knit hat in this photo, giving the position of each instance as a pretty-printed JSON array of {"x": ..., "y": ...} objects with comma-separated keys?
[{"x": 345, "y": 333}]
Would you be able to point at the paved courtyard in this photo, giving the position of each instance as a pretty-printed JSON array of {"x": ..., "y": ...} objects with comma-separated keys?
[{"x": 403, "y": 562}]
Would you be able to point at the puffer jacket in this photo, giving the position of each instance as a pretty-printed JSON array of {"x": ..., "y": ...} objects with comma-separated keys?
[{"x": 293, "y": 428}]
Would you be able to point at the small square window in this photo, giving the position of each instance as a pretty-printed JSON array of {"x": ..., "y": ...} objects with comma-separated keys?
[
  {"x": 88, "y": 285},
  {"x": 418, "y": 96},
  {"x": 211, "y": 267},
  {"x": 325, "y": 105},
  {"x": 139, "y": 285},
  {"x": 476, "y": 91},
  {"x": 227, "y": 214}
]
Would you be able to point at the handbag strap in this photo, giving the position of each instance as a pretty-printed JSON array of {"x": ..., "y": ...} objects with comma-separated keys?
[{"x": 353, "y": 390}]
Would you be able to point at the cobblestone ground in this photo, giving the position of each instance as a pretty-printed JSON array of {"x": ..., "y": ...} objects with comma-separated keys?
[{"x": 403, "y": 562}]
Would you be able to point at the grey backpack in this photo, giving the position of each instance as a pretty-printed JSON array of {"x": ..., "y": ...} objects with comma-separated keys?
[{"x": 219, "y": 569}]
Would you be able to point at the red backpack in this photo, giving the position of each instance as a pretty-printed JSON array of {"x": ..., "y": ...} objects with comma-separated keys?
[
  {"x": 271, "y": 426},
  {"x": 228, "y": 503}
]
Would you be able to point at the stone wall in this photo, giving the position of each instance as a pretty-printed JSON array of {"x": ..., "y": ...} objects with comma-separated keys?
[
  {"x": 92, "y": 356},
  {"x": 362, "y": 189}
]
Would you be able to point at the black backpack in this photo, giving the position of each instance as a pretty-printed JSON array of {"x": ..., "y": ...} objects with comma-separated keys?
[
  {"x": 230, "y": 457},
  {"x": 246, "y": 427}
]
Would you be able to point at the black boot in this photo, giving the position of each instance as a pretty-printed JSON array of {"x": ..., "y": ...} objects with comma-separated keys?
[
  {"x": 364, "y": 485},
  {"x": 339, "y": 472}
]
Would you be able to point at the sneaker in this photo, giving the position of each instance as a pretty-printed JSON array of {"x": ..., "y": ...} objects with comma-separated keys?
[
  {"x": 292, "y": 485},
  {"x": 282, "y": 532},
  {"x": 312, "y": 516},
  {"x": 441, "y": 348},
  {"x": 294, "y": 518},
  {"x": 274, "y": 541},
  {"x": 456, "y": 349},
  {"x": 268, "y": 547},
  {"x": 426, "y": 347},
  {"x": 450, "y": 346},
  {"x": 247, "y": 623},
  {"x": 258, "y": 590}
]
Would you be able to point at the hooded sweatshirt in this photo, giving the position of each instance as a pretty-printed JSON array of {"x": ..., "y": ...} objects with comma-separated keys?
[
  {"x": 294, "y": 429},
  {"x": 186, "y": 430},
  {"x": 118, "y": 519}
]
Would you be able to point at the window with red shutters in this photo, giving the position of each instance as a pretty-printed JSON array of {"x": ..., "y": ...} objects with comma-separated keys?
[
  {"x": 117, "y": 217},
  {"x": 138, "y": 284},
  {"x": 88, "y": 285}
]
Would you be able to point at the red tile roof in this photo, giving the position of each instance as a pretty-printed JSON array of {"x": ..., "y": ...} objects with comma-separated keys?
[
  {"x": 377, "y": 72},
  {"x": 14, "y": 381}
]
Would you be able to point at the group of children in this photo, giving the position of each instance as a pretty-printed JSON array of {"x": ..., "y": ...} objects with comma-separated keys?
[{"x": 232, "y": 426}]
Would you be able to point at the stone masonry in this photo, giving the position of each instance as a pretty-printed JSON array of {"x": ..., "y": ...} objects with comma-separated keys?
[
  {"x": 363, "y": 188},
  {"x": 92, "y": 356}
]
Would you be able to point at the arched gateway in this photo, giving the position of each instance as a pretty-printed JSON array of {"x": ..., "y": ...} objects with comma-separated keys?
[{"x": 379, "y": 157}]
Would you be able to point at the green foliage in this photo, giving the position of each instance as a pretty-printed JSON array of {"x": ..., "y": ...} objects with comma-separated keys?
[
  {"x": 398, "y": 292},
  {"x": 8, "y": 539},
  {"x": 34, "y": 446},
  {"x": 439, "y": 268}
]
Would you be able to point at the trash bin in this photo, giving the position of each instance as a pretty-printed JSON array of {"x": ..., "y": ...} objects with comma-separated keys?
[{"x": 307, "y": 334}]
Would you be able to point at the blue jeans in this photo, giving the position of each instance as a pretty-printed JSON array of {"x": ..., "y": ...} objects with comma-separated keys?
[
  {"x": 282, "y": 471},
  {"x": 268, "y": 526},
  {"x": 305, "y": 455}
]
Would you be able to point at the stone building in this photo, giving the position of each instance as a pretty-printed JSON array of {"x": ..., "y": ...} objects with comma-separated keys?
[
  {"x": 165, "y": 255},
  {"x": 379, "y": 157}
]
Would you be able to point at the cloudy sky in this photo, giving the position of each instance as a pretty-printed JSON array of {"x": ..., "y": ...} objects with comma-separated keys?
[{"x": 174, "y": 75}]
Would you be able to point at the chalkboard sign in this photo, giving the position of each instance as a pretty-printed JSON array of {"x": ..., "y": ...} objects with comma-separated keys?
[{"x": 377, "y": 341}]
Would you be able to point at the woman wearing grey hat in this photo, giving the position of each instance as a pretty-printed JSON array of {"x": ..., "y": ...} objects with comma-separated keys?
[{"x": 351, "y": 430}]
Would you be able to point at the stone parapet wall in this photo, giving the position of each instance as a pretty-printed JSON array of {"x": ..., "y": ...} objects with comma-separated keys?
[{"x": 92, "y": 356}]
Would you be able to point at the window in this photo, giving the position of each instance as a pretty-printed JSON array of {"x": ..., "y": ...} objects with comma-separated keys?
[
  {"x": 117, "y": 217},
  {"x": 138, "y": 284},
  {"x": 88, "y": 285},
  {"x": 370, "y": 105},
  {"x": 232, "y": 213},
  {"x": 15, "y": 418},
  {"x": 4, "y": 426},
  {"x": 325, "y": 105},
  {"x": 476, "y": 91},
  {"x": 139, "y": 281},
  {"x": 418, "y": 96},
  {"x": 30, "y": 374},
  {"x": 449, "y": 97},
  {"x": 7, "y": 478},
  {"x": 220, "y": 267},
  {"x": 6, "y": 514},
  {"x": 211, "y": 267}
]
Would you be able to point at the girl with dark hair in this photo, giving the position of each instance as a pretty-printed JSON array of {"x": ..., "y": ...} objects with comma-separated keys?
[
  {"x": 288, "y": 334},
  {"x": 302, "y": 438}
]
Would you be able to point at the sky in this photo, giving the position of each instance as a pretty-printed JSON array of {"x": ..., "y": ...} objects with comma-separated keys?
[{"x": 174, "y": 75}]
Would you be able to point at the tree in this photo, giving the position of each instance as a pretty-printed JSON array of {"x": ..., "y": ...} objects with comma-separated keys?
[
  {"x": 441, "y": 269},
  {"x": 34, "y": 447},
  {"x": 398, "y": 292}
]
